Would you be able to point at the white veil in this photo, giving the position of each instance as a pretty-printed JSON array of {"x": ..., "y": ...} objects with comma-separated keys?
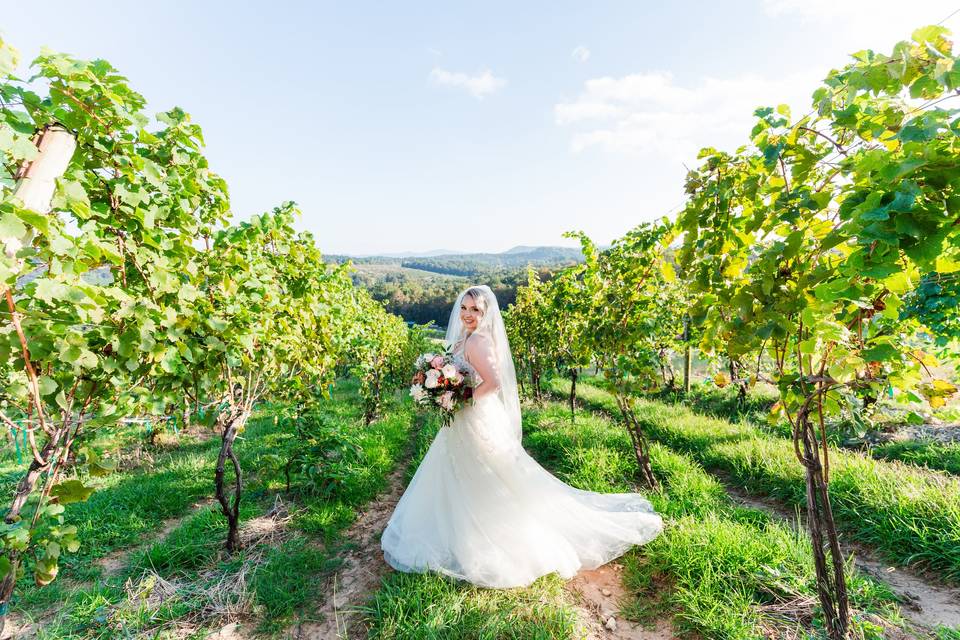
[{"x": 491, "y": 325}]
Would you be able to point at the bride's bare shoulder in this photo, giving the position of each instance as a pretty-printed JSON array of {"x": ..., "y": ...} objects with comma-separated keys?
[{"x": 476, "y": 344}]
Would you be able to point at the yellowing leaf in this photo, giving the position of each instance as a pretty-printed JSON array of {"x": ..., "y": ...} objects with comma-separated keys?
[
  {"x": 668, "y": 272},
  {"x": 946, "y": 264},
  {"x": 898, "y": 282},
  {"x": 944, "y": 386}
]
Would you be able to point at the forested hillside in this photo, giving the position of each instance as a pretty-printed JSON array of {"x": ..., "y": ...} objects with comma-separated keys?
[{"x": 423, "y": 289}]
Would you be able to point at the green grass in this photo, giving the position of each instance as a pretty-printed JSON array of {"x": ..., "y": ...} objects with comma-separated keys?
[
  {"x": 126, "y": 506},
  {"x": 712, "y": 570},
  {"x": 355, "y": 480},
  {"x": 289, "y": 580},
  {"x": 723, "y": 402},
  {"x": 276, "y": 581},
  {"x": 192, "y": 544},
  {"x": 933, "y": 455},
  {"x": 716, "y": 565},
  {"x": 910, "y": 514},
  {"x": 125, "y": 509},
  {"x": 431, "y": 607}
]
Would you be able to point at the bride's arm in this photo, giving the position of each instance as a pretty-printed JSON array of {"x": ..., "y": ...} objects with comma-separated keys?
[{"x": 479, "y": 353}]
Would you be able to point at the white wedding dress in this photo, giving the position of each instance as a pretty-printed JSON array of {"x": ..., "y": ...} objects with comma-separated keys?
[{"x": 480, "y": 509}]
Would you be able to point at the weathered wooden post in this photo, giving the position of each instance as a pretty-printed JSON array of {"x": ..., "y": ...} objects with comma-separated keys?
[
  {"x": 37, "y": 178},
  {"x": 687, "y": 365}
]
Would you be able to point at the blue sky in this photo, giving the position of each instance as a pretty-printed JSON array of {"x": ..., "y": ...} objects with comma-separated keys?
[{"x": 473, "y": 127}]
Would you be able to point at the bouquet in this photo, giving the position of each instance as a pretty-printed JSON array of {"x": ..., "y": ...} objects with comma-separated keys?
[{"x": 441, "y": 382}]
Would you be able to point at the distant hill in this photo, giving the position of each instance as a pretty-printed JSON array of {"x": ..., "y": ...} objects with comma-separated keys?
[
  {"x": 475, "y": 264},
  {"x": 413, "y": 254},
  {"x": 542, "y": 250}
]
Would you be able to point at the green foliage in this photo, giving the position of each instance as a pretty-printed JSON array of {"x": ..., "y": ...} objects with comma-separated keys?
[
  {"x": 275, "y": 580},
  {"x": 477, "y": 264},
  {"x": 422, "y": 296},
  {"x": 934, "y": 303},
  {"x": 634, "y": 306},
  {"x": 381, "y": 352},
  {"x": 98, "y": 307},
  {"x": 121, "y": 310},
  {"x": 327, "y": 455},
  {"x": 334, "y": 462},
  {"x": 533, "y": 341},
  {"x": 804, "y": 242},
  {"x": 271, "y": 317}
]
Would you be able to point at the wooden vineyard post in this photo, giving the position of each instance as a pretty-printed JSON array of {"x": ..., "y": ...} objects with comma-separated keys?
[
  {"x": 687, "y": 365},
  {"x": 37, "y": 179}
]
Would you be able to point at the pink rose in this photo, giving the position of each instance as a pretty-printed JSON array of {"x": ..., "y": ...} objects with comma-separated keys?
[
  {"x": 437, "y": 362},
  {"x": 446, "y": 400}
]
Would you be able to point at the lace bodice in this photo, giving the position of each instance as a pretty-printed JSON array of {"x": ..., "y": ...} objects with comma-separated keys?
[{"x": 461, "y": 360}]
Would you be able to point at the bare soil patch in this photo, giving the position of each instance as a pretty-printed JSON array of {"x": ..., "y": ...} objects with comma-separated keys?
[{"x": 598, "y": 594}]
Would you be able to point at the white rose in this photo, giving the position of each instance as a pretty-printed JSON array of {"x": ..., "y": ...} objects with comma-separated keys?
[
  {"x": 418, "y": 393},
  {"x": 449, "y": 371},
  {"x": 432, "y": 378}
]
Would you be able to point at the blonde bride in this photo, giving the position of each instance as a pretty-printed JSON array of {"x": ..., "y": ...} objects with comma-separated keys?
[{"x": 479, "y": 508}]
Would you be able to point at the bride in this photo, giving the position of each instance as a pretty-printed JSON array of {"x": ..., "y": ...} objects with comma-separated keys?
[{"x": 479, "y": 508}]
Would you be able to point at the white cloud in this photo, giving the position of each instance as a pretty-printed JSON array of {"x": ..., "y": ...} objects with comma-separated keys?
[
  {"x": 478, "y": 85},
  {"x": 876, "y": 24},
  {"x": 865, "y": 10},
  {"x": 580, "y": 54},
  {"x": 650, "y": 113}
]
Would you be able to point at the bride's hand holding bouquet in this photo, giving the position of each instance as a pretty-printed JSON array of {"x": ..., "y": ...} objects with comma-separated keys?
[{"x": 441, "y": 383}]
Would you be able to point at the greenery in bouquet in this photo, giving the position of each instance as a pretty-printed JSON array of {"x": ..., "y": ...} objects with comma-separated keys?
[{"x": 439, "y": 381}]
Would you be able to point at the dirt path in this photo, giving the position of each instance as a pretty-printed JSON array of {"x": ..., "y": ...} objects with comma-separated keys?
[
  {"x": 926, "y": 604},
  {"x": 598, "y": 593},
  {"x": 363, "y": 567}
]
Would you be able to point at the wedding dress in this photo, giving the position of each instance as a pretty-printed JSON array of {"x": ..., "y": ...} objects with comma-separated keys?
[{"x": 480, "y": 509}]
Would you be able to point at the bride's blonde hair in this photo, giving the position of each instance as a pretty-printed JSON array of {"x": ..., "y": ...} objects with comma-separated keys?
[{"x": 478, "y": 296}]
